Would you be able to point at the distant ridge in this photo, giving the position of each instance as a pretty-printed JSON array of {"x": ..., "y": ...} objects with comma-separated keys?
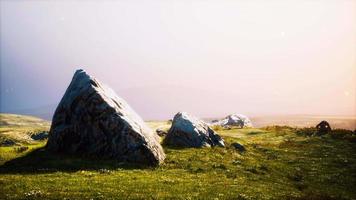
[
  {"x": 44, "y": 112},
  {"x": 343, "y": 122},
  {"x": 7, "y": 119}
]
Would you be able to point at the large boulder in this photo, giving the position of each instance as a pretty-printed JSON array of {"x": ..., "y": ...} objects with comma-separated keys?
[
  {"x": 188, "y": 131},
  {"x": 234, "y": 120},
  {"x": 92, "y": 120}
]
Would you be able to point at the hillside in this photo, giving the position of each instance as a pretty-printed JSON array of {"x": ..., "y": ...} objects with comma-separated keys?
[
  {"x": 18, "y": 129},
  {"x": 279, "y": 163}
]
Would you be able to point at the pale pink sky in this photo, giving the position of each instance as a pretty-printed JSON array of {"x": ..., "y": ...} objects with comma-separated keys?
[{"x": 210, "y": 58}]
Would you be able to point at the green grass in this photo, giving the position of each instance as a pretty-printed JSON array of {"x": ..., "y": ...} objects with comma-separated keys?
[{"x": 278, "y": 164}]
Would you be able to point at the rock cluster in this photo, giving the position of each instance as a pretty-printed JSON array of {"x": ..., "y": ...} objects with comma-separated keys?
[
  {"x": 92, "y": 120},
  {"x": 234, "y": 120},
  {"x": 188, "y": 131}
]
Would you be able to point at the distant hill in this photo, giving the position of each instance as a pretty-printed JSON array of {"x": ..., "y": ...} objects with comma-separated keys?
[
  {"x": 43, "y": 112},
  {"x": 18, "y": 129},
  {"x": 22, "y": 120}
]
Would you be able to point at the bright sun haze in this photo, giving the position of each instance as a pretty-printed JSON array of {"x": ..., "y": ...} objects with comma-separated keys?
[{"x": 210, "y": 58}]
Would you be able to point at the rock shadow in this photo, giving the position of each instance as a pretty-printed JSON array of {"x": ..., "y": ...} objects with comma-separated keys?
[{"x": 42, "y": 161}]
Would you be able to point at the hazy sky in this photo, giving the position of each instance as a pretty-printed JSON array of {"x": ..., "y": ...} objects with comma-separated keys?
[{"x": 210, "y": 58}]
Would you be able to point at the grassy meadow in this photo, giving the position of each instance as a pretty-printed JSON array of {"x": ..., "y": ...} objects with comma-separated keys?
[{"x": 279, "y": 163}]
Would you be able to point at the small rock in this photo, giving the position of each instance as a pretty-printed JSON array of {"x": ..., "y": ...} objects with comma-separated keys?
[
  {"x": 161, "y": 132},
  {"x": 323, "y": 127},
  {"x": 238, "y": 147},
  {"x": 104, "y": 171},
  {"x": 7, "y": 142},
  {"x": 40, "y": 136},
  {"x": 227, "y": 127}
]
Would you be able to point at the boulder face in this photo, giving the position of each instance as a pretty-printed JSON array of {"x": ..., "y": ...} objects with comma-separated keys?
[
  {"x": 235, "y": 120},
  {"x": 323, "y": 127},
  {"x": 188, "y": 131},
  {"x": 92, "y": 120}
]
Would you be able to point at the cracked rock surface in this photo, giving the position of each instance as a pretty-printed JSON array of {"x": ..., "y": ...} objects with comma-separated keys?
[
  {"x": 92, "y": 120},
  {"x": 188, "y": 131}
]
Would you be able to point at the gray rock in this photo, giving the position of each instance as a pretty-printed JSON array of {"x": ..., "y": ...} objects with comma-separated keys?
[
  {"x": 227, "y": 127},
  {"x": 188, "y": 131},
  {"x": 238, "y": 147},
  {"x": 234, "y": 120},
  {"x": 214, "y": 121},
  {"x": 161, "y": 132},
  {"x": 40, "y": 136},
  {"x": 92, "y": 120},
  {"x": 7, "y": 142},
  {"x": 323, "y": 127}
]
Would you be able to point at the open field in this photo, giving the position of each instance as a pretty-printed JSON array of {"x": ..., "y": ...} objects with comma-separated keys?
[
  {"x": 278, "y": 164},
  {"x": 300, "y": 121},
  {"x": 344, "y": 122}
]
